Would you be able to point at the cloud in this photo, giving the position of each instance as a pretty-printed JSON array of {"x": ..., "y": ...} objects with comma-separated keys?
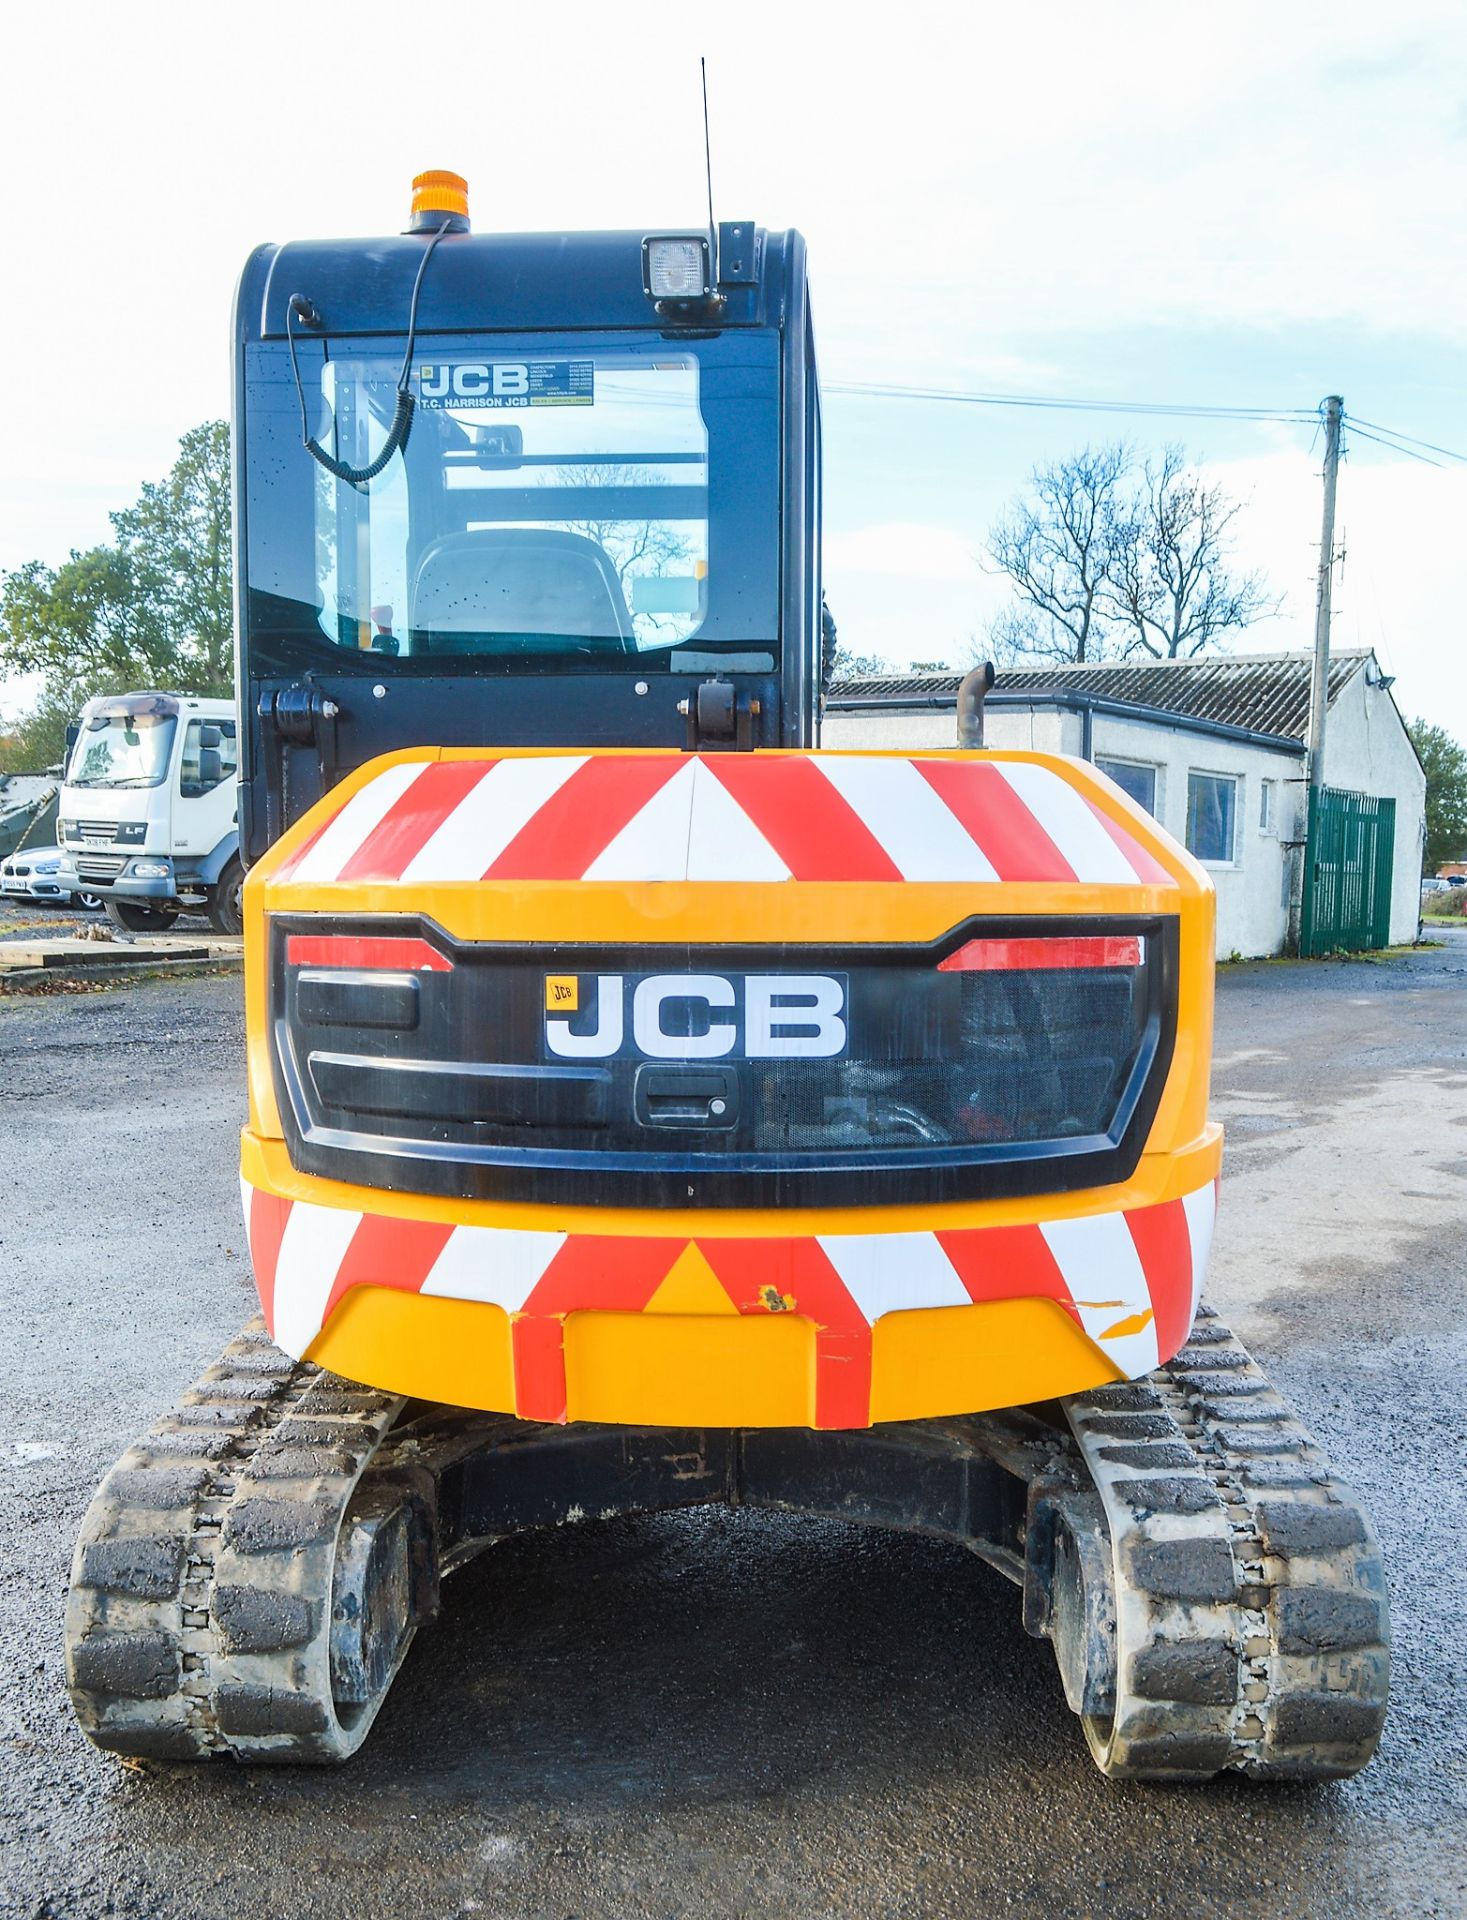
[
  {"x": 1399, "y": 527},
  {"x": 993, "y": 198},
  {"x": 909, "y": 591},
  {"x": 903, "y": 550}
]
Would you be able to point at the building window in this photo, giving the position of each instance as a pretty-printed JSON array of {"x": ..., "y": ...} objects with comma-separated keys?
[
  {"x": 1132, "y": 778},
  {"x": 1212, "y": 817},
  {"x": 1268, "y": 806}
]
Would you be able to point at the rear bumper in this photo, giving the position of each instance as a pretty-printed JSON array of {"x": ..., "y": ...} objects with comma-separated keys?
[{"x": 831, "y": 1318}]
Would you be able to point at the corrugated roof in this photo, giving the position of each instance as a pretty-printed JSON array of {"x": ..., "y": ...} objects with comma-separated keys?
[{"x": 1267, "y": 693}]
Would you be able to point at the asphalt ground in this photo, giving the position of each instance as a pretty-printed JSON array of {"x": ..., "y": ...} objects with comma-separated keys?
[
  {"x": 731, "y": 1713},
  {"x": 26, "y": 922},
  {"x": 39, "y": 920}
]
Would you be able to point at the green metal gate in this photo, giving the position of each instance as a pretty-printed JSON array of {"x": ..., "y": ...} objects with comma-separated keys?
[{"x": 1347, "y": 872}]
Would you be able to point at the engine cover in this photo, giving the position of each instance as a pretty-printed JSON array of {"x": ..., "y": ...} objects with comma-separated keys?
[{"x": 572, "y": 1073}]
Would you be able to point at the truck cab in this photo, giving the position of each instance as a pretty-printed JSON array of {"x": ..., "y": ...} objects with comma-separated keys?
[{"x": 149, "y": 811}]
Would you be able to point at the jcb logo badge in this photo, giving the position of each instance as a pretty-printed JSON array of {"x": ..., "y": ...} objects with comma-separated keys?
[
  {"x": 472, "y": 385},
  {"x": 696, "y": 1016},
  {"x": 510, "y": 380}
]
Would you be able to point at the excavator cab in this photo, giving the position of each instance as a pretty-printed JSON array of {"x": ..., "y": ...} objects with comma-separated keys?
[{"x": 601, "y": 526}]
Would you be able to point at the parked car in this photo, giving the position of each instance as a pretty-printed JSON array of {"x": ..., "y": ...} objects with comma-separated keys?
[
  {"x": 1457, "y": 879},
  {"x": 1432, "y": 885},
  {"x": 35, "y": 874}
]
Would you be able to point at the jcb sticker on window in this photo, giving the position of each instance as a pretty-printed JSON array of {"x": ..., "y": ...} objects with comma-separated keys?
[
  {"x": 473, "y": 384},
  {"x": 698, "y": 1016},
  {"x": 562, "y": 992}
]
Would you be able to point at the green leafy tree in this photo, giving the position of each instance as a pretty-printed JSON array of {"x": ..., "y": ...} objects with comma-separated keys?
[
  {"x": 82, "y": 622},
  {"x": 155, "y": 609},
  {"x": 859, "y": 666},
  {"x": 37, "y": 743},
  {"x": 176, "y": 540},
  {"x": 1445, "y": 762}
]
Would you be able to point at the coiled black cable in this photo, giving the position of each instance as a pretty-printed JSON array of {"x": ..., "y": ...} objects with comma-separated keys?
[{"x": 402, "y": 417}]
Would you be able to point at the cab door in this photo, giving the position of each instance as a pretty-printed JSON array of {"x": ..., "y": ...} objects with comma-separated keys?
[{"x": 208, "y": 791}]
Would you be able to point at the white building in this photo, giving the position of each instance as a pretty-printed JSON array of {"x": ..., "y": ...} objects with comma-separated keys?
[{"x": 1213, "y": 748}]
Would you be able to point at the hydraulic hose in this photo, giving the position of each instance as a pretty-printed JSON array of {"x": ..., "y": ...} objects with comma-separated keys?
[{"x": 298, "y": 307}]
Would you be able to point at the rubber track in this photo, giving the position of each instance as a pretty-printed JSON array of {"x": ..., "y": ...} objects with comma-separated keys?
[
  {"x": 1252, "y": 1629},
  {"x": 199, "y": 1618}
]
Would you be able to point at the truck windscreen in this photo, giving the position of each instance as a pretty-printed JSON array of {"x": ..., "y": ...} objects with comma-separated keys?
[
  {"x": 579, "y": 504},
  {"x": 122, "y": 750}
]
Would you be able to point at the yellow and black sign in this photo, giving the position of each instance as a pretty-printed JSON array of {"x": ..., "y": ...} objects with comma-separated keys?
[{"x": 562, "y": 992}]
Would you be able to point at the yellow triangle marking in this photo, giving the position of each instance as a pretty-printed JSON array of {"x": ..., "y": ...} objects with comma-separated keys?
[{"x": 691, "y": 1287}]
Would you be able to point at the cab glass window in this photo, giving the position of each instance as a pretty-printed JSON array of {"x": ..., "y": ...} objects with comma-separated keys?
[
  {"x": 210, "y": 757},
  {"x": 572, "y": 501},
  {"x": 579, "y": 502}
]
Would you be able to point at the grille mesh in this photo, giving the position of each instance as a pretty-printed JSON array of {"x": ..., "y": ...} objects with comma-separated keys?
[{"x": 414, "y": 1078}]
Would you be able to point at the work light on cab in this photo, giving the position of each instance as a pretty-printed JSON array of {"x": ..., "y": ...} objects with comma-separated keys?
[{"x": 677, "y": 267}]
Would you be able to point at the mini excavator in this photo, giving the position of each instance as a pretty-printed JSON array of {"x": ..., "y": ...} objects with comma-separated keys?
[{"x": 649, "y": 1109}]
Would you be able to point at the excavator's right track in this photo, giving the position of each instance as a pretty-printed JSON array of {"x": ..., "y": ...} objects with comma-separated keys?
[{"x": 205, "y": 1608}]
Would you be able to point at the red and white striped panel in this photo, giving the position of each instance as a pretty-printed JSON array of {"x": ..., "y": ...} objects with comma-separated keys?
[
  {"x": 1132, "y": 1280},
  {"x": 742, "y": 817}
]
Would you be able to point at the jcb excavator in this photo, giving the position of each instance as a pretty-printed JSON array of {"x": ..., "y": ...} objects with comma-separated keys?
[{"x": 647, "y": 1109}]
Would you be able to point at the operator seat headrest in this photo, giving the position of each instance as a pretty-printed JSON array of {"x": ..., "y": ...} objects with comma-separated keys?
[{"x": 501, "y": 589}]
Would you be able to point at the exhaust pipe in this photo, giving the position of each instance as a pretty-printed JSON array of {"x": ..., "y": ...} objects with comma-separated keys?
[{"x": 976, "y": 685}]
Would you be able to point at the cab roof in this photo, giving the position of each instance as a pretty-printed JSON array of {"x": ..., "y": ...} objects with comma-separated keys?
[{"x": 509, "y": 282}]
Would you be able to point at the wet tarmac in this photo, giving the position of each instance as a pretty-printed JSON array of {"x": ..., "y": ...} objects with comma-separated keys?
[{"x": 725, "y": 1713}]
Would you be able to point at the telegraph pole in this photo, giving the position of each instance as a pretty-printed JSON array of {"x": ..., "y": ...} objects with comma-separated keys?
[{"x": 1334, "y": 408}]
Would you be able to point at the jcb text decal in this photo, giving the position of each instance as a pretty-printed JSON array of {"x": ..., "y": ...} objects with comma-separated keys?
[
  {"x": 697, "y": 1016},
  {"x": 465, "y": 384}
]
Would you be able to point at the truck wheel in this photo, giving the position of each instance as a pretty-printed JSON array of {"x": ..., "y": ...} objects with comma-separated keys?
[
  {"x": 224, "y": 910},
  {"x": 134, "y": 917}
]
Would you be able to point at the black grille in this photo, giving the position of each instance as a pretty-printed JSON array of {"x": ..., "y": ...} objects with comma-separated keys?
[{"x": 1021, "y": 1077}]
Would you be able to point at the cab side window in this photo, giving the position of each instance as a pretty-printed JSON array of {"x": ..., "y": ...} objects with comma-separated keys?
[{"x": 210, "y": 757}]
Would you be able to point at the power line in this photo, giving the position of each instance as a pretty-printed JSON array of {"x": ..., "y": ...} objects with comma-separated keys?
[
  {"x": 1389, "y": 437},
  {"x": 1409, "y": 440},
  {"x": 1359, "y": 433},
  {"x": 874, "y": 390}
]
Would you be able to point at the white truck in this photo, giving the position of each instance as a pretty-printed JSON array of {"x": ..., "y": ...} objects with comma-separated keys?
[{"x": 149, "y": 812}]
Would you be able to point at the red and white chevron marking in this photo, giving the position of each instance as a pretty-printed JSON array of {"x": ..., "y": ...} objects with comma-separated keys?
[
  {"x": 742, "y": 817},
  {"x": 1131, "y": 1279}
]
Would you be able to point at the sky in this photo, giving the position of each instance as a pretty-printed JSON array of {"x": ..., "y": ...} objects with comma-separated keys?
[{"x": 1251, "y": 206}]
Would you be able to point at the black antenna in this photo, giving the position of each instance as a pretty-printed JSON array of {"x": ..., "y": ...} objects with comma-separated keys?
[{"x": 708, "y": 165}]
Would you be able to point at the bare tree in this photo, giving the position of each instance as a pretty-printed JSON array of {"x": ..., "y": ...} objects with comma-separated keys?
[
  {"x": 632, "y": 546},
  {"x": 1058, "y": 546},
  {"x": 1111, "y": 562},
  {"x": 1015, "y": 637},
  {"x": 1170, "y": 583},
  {"x": 636, "y": 548}
]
